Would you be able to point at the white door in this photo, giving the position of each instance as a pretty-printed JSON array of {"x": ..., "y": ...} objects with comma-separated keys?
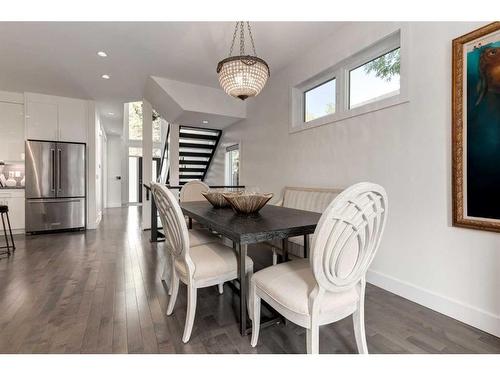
[
  {"x": 73, "y": 120},
  {"x": 41, "y": 121},
  {"x": 114, "y": 167}
]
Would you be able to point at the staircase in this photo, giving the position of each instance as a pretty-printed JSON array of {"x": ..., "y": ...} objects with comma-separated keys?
[{"x": 197, "y": 147}]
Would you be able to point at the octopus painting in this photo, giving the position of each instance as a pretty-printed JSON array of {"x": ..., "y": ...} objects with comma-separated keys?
[{"x": 483, "y": 131}]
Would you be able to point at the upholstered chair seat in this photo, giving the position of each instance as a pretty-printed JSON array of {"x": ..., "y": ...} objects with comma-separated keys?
[
  {"x": 202, "y": 236},
  {"x": 290, "y": 284},
  {"x": 199, "y": 236},
  {"x": 212, "y": 261}
]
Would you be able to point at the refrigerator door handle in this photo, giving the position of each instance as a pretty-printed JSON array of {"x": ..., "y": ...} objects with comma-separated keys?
[
  {"x": 53, "y": 168},
  {"x": 59, "y": 155},
  {"x": 52, "y": 200}
]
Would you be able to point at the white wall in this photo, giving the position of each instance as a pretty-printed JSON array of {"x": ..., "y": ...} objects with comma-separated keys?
[
  {"x": 114, "y": 167},
  {"x": 406, "y": 149}
]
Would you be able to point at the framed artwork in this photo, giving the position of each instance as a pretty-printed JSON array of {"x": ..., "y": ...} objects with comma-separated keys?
[{"x": 476, "y": 129}]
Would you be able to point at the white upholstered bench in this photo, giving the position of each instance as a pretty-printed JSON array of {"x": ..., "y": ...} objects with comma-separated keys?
[{"x": 308, "y": 199}]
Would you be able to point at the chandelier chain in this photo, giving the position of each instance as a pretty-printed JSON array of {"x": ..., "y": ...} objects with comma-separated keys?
[
  {"x": 242, "y": 39},
  {"x": 251, "y": 38},
  {"x": 241, "y": 26},
  {"x": 234, "y": 39}
]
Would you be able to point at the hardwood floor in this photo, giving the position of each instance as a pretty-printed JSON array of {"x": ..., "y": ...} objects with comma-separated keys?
[{"x": 100, "y": 292}]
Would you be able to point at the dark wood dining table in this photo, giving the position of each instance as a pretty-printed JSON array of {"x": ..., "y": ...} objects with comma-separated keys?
[{"x": 270, "y": 223}]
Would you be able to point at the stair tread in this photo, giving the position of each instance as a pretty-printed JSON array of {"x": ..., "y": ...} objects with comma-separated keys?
[
  {"x": 191, "y": 177},
  {"x": 186, "y": 129},
  {"x": 191, "y": 162},
  {"x": 198, "y": 136},
  {"x": 196, "y": 145},
  {"x": 193, "y": 153},
  {"x": 184, "y": 169}
]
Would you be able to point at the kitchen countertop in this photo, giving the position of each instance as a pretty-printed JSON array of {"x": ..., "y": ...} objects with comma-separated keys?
[{"x": 11, "y": 187}]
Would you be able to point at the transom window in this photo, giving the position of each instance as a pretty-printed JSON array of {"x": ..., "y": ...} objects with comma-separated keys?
[
  {"x": 375, "y": 80},
  {"x": 320, "y": 101},
  {"x": 369, "y": 80}
]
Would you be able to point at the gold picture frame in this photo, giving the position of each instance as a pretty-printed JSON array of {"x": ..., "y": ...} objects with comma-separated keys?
[{"x": 461, "y": 105}]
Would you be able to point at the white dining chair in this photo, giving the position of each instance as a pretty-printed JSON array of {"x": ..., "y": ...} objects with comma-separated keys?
[
  {"x": 191, "y": 191},
  {"x": 196, "y": 266},
  {"x": 331, "y": 284}
]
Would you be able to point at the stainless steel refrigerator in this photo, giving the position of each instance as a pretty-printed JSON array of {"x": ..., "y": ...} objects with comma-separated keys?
[{"x": 55, "y": 186}]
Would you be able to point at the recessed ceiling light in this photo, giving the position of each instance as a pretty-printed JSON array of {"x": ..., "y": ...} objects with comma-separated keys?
[
  {"x": 102, "y": 54},
  {"x": 105, "y": 76},
  {"x": 205, "y": 121},
  {"x": 111, "y": 113}
]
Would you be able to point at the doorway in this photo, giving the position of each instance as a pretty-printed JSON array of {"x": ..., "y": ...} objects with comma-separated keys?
[{"x": 135, "y": 181}]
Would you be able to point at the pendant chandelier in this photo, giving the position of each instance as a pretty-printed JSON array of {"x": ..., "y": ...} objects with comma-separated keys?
[{"x": 242, "y": 76}]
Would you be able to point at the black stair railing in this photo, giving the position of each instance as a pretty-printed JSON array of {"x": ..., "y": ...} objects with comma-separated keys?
[{"x": 165, "y": 160}]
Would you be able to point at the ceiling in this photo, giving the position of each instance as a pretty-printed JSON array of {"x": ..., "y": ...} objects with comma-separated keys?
[{"x": 60, "y": 58}]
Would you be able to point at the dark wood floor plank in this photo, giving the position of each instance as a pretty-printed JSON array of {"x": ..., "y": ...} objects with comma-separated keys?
[{"x": 100, "y": 292}]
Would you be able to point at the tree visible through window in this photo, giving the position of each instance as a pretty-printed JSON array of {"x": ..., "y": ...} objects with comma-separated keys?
[
  {"x": 135, "y": 123},
  {"x": 375, "y": 80},
  {"x": 387, "y": 66}
]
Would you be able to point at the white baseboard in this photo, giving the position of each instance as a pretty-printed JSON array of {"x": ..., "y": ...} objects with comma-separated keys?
[{"x": 481, "y": 319}]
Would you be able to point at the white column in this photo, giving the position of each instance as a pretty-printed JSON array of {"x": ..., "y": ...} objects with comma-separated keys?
[
  {"x": 124, "y": 158},
  {"x": 92, "y": 131},
  {"x": 174, "y": 154},
  {"x": 147, "y": 160}
]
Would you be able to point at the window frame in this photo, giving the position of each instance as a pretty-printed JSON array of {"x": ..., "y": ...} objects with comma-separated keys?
[
  {"x": 340, "y": 72},
  {"x": 228, "y": 150},
  {"x": 304, "y": 112}
]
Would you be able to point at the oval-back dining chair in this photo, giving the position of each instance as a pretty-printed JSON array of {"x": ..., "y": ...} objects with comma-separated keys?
[
  {"x": 192, "y": 190},
  {"x": 331, "y": 284},
  {"x": 199, "y": 266}
]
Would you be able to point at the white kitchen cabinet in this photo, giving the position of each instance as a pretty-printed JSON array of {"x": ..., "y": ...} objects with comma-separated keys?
[
  {"x": 11, "y": 131},
  {"x": 14, "y": 198},
  {"x": 55, "y": 118},
  {"x": 73, "y": 120},
  {"x": 41, "y": 121}
]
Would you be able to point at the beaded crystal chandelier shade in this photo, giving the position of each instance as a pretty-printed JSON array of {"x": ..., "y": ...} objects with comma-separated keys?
[{"x": 243, "y": 76}]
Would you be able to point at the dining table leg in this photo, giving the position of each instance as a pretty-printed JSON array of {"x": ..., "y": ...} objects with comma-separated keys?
[
  {"x": 284, "y": 246},
  {"x": 242, "y": 254},
  {"x": 154, "y": 220},
  {"x": 306, "y": 246}
]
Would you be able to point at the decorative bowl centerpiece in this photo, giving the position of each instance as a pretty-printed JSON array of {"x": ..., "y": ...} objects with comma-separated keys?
[
  {"x": 246, "y": 202},
  {"x": 216, "y": 198}
]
